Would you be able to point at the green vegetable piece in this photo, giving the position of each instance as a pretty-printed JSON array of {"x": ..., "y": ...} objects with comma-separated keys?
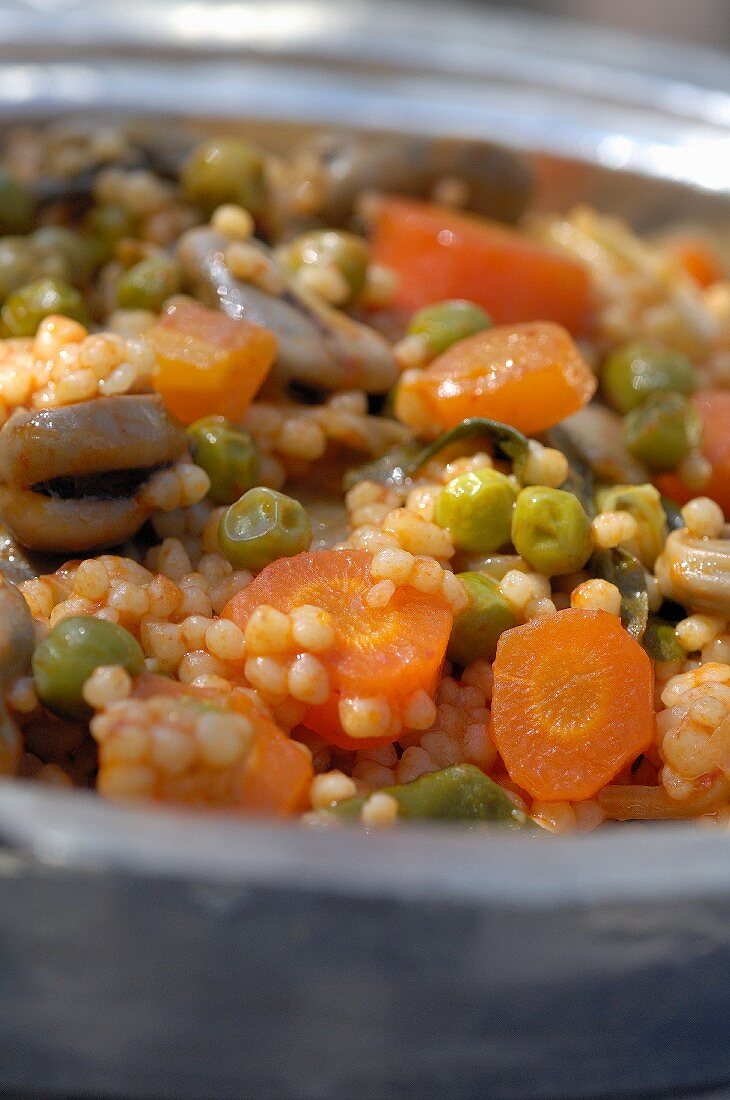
[
  {"x": 17, "y": 205},
  {"x": 660, "y": 640},
  {"x": 65, "y": 659},
  {"x": 634, "y": 371},
  {"x": 459, "y": 793},
  {"x": 262, "y": 526},
  {"x": 477, "y": 507},
  {"x": 228, "y": 456},
  {"x": 399, "y": 466},
  {"x": 624, "y": 570},
  {"x": 79, "y": 256},
  {"x": 476, "y": 630},
  {"x": 222, "y": 170},
  {"x": 445, "y": 323},
  {"x": 24, "y": 310},
  {"x": 148, "y": 284},
  {"x": 347, "y": 253},
  {"x": 580, "y": 480},
  {"x": 551, "y": 530},
  {"x": 19, "y": 262},
  {"x": 672, "y": 514},
  {"x": 107, "y": 225},
  {"x": 644, "y": 503},
  {"x": 663, "y": 431}
]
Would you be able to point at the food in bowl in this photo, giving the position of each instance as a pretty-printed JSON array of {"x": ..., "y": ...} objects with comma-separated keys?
[{"x": 354, "y": 505}]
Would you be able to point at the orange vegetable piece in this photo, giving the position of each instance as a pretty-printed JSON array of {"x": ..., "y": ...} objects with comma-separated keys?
[
  {"x": 275, "y": 777},
  {"x": 696, "y": 255},
  {"x": 209, "y": 364},
  {"x": 438, "y": 253},
  {"x": 714, "y": 408},
  {"x": 388, "y": 652},
  {"x": 530, "y": 376},
  {"x": 572, "y": 703}
]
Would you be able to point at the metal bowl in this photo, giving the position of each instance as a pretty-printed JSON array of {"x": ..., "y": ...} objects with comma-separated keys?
[{"x": 153, "y": 954}]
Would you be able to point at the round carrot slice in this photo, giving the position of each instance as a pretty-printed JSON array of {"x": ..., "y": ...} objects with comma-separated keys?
[
  {"x": 572, "y": 703},
  {"x": 530, "y": 376},
  {"x": 383, "y": 654}
]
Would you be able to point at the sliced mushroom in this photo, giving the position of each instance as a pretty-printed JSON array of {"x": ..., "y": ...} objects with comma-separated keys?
[
  {"x": 72, "y": 477},
  {"x": 317, "y": 345},
  {"x": 696, "y": 572},
  {"x": 17, "y": 641}
]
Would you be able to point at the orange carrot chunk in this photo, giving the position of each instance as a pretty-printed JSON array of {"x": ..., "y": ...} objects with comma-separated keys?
[
  {"x": 380, "y": 657},
  {"x": 438, "y": 253},
  {"x": 246, "y": 766},
  {"x": 697, "y": 257},
  {"x": 714, "y": 408},
  {"x": 530, "y": 376},
  {"x": 572, "y": 703},
  {"x": 209, "y": 364}
]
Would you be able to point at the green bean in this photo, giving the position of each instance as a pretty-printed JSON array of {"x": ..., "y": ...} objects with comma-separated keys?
[
  {"x": 65, "y": 659},
  {"x": 634, "y": 371},
  {"x": 17, "y": 205},
  {"x": 476, "y": 507},
  {"x": 148, "y": 284},
  {"x": 25, "y": 308},
  {"x": 445, "y": 323},
  {"x": 644, "y": 503},
  {"x": 333, "y": 247},
  {"x": 262, "y": 526},
  {"x": 476, "y": 630},
  {"x": 228, "y": 456},
  {"x": 663, "y": 431},
  {"x": 461, "y": 792},
  {"x": 551, "y": 530},
  {"x": 224, "y": 170}
]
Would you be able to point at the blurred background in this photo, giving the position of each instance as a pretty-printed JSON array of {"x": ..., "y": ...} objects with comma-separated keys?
[{"x": 703, "y": 22}]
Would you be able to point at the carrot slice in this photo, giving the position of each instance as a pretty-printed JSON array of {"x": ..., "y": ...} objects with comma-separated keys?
[
  {"x": 209, "y": 364},
  {"x": 380, "y": 653},
  {"x": 572, "y": 703},
  {"x": 273, "y": 779},
  {"x": 438, "y": 253},
  {"x": 714, "y": 408},
  {"x": 530, "y": 376}
]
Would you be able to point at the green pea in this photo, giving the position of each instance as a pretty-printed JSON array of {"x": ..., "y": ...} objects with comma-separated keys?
[
  {"x": 25, "y": 308},
  {"x": 148, "y": 284},
  {"x": 445, "y": 323},
  {"x": 477, "y": 629},
  {"x": 65, "y": 659},
  {"x": 225, "y": 170},
  {"x": 108, "y": 224},
  {"x": 228, "y": 456},
  {"x": 551, "y": 530},
  {"x": 663, "y": 431},
  {"x": 17, "y": 205},
  {"x": 19, "y": 261},
  {"x": 79, "y": 255},
  {"x": 644, "y": 503},
  {"x": 334, "y": 247},
  {"x": 634, "y": 371},
  {"x": 477, "y": 507},
  {"x": 262, "y": 526}
]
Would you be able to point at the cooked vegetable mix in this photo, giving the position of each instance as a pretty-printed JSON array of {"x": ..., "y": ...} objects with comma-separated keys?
[{"x": 424, "y": 513}]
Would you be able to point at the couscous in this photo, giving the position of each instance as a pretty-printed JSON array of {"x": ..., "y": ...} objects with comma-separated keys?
[{"x": 363, "y": 511}]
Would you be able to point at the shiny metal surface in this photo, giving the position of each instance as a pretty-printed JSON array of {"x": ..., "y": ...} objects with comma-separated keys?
[{"x": 152, "y": 954}]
